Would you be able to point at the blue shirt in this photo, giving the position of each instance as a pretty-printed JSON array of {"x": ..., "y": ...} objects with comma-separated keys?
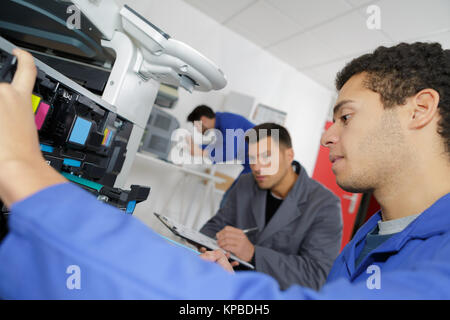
[
  {"x": 63, "y": 233},
  {"x": 226, "y": 150},
  {"x": 416, "y": 254}
]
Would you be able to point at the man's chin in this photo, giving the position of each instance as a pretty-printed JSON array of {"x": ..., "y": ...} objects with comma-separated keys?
[
  {"x": 352, "y": 187},
  {"x": 263, "y": 185}
]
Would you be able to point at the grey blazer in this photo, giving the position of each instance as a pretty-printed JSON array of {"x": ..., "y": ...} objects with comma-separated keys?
[{"x": 300, "y": 242}]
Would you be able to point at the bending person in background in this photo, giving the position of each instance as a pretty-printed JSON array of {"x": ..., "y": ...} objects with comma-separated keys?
[
  {"x": 229, "y": 129},
  {"x": 298, "y": 221}
]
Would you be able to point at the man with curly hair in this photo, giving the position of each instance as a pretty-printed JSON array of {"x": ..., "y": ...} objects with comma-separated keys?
[{"x": 390, "y": 136}]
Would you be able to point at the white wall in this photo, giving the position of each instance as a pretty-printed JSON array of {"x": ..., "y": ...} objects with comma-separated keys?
[{"x": 249, "y": 70}]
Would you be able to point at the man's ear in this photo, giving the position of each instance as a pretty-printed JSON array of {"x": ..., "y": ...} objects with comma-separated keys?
[
  {"x": 290, "y": 154},
  {"x": 424, "y": 107}
]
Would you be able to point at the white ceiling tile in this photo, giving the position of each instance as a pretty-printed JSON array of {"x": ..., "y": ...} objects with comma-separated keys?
[
  {"x": 336, "y": 28},
  {"x": 349, "y": 35},
  {"x": 220, "y": 10},
  {"x": 407, "y": 19},
  {"x": 357, "y": 3},
  {"x": 310, "y": 13},
  {"x": 317, "y": 78},
  {"x": 263, "y": 24},
  {"x": 303, "y": 50},
  {"x": 325, "y": 74}
]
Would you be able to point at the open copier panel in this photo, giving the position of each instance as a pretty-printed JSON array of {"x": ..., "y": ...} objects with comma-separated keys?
[
  {"x": 79, "y": 137},
  {"x": 96, "y": 85},
  {"x": 41, "y": 27}
]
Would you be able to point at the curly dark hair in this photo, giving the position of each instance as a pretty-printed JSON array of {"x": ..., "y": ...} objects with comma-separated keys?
[{"x": 401, "y": 71}]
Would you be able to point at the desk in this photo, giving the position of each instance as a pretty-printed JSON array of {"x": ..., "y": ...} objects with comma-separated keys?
[{"x": 189, "y": 219}]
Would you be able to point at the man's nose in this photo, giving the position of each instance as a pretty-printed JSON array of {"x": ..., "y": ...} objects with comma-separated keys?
[
  {"x": 256, "y": 167},
  {"x": 330, "y": 136}
]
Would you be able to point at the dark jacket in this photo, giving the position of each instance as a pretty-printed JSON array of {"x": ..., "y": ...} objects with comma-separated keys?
[{"x": 300, "y": 242}]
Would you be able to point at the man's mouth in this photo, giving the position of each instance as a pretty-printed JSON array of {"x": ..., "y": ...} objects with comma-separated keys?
[
  {"x": 260, "y": 178},
  {"x": 334, "y": 159}
]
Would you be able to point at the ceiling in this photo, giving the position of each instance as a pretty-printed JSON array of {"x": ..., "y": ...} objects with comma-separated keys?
[{"x": 318, "y": 37}]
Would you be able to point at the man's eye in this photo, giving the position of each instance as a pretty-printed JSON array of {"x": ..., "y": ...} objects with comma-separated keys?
[{"x": 345, "y": 118}]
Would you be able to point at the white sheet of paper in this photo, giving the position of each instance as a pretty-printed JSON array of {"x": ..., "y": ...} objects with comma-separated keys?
[{"x": 196, "y": 237}]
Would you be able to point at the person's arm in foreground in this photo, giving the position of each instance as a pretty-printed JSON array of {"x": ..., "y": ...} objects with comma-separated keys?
[
  {"x": 63, "y": 243},
  {"x": 23, "y": 170}
]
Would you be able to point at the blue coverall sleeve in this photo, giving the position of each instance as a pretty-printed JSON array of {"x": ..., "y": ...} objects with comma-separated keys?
[
  {"x": 117, "y": 256},
  {"x": 426, "y": 280}
]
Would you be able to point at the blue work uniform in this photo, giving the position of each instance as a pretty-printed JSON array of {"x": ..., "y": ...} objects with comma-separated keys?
[
  {"x": 64, "y": 244},
  {"x": 236, "y": 149}
]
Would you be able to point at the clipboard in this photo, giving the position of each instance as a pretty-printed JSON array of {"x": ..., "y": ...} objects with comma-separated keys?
[{"x": 196, "y": 237}]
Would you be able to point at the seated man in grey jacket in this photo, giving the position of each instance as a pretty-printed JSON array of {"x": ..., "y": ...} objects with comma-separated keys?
[{"x": 277, "y": 218}]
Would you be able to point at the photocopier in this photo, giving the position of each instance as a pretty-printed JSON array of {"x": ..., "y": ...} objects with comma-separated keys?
[{"x": 100, "y": 66}]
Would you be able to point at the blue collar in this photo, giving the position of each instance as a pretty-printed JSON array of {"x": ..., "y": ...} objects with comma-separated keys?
[{"x": 434, "y": 220}]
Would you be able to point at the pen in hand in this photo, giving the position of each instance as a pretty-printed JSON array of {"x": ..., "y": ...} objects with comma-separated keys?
[{"x": 250, "y": 230}]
